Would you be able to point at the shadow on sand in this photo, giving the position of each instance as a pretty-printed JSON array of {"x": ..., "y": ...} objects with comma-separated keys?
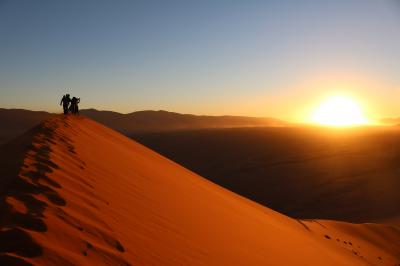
[{"x": 24, "y": 166}]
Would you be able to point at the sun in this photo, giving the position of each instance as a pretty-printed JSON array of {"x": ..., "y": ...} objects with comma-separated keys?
[{"x": 339, "y": 111}]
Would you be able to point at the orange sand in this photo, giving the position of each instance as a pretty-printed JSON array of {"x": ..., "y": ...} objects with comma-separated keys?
[{"x": 77, "y": 193}]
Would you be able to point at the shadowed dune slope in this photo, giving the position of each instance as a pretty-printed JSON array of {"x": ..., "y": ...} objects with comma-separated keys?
[{"x": 74, "y": 192}]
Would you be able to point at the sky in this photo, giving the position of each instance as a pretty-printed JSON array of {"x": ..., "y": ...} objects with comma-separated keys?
[{"x": 257, "y": 58}]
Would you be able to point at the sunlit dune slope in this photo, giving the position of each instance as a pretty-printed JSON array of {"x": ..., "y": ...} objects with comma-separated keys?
[{"x": 77, "y": 193}]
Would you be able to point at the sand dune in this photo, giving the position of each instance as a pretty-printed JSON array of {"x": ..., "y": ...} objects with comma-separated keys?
[
  {"x": 77, "y": 193},
  {"x": 344, "y": 174}
]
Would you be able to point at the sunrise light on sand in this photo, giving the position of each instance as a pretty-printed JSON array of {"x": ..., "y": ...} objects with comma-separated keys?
[{"x": 200, "y": 133}]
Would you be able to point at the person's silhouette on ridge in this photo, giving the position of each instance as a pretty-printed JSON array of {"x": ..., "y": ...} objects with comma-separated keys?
[
  {"x": 74, "y": 105},
  {"x": 65, "y": 101}
]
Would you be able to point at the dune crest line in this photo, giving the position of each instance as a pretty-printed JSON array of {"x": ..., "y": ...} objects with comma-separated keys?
[{"x": 30, "y": 191}]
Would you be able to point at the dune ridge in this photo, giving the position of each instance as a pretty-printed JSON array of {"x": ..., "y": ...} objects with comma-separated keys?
[{"x": 74, "y": 192}]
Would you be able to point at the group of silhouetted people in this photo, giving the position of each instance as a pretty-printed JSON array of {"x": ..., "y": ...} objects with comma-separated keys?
[{"x": 70, "y": 105}]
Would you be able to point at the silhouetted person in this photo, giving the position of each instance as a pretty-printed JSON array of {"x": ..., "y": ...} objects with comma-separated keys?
[
  {"x": 74, "y": 105},
  {"x": 65, "y": 101}
]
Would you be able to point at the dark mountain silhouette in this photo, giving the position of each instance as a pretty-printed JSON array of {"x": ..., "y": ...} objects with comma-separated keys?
[
  {"x": 155, "y": 121},
  {"x": 15, "y": 121},
  {"x": 391, "y": 120}
]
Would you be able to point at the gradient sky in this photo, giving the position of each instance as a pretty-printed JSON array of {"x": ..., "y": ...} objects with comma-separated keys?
[{"x": 259, "y": 58}]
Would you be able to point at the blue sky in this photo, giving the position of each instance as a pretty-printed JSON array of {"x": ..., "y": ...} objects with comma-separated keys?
[{"x": 261, "y": 58}]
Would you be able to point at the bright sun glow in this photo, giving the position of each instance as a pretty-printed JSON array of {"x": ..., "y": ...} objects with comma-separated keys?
[{"x": 339, "y": 111}]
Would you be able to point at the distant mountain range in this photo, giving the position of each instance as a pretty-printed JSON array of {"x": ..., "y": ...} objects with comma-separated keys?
[
  {"x": 16, "y": 121},
  {"x": 391, "y": 120},
  {"x": 155, "y": 121}
]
